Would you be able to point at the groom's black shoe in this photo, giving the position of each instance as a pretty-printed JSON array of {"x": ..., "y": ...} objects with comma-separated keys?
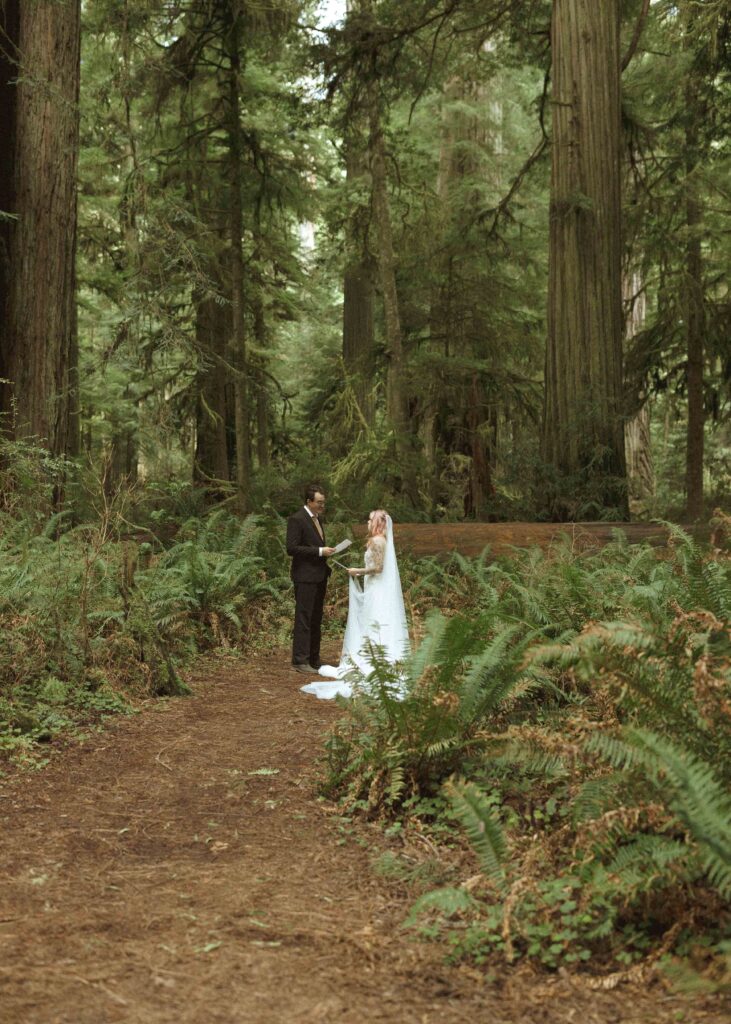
[{"x": 305, "y": 668}]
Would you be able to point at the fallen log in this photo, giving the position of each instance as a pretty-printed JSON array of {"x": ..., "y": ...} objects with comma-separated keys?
[{"x": 470, "y": 539}]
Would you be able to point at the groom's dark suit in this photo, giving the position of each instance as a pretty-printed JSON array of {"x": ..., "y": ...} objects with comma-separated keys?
[{"x": 310, "y": 572}]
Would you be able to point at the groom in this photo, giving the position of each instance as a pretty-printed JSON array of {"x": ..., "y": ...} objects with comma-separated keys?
[{"x": 306, "y": 547}]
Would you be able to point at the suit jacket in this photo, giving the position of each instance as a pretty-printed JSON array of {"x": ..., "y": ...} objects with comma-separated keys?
[{"x": 303, "y": 547}]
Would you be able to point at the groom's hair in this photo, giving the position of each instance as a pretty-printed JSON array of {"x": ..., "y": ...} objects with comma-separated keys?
[{"x": 313, "y": 489}]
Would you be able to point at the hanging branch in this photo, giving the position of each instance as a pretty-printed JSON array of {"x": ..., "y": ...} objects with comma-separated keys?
[
  {"x": 636, "y": 35},
  {"x": 498, "y": 211}
]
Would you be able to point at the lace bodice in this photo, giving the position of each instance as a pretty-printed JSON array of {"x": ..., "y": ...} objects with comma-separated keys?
[{"x": 374, "y": 556}]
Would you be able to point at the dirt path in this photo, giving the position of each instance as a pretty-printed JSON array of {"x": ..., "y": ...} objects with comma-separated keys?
[{"x": 151, "y": 875}]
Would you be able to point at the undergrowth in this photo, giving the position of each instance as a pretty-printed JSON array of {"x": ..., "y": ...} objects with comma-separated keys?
[
  {"x": 573, "y": 715},
  {"x": 95, "y": 615}
]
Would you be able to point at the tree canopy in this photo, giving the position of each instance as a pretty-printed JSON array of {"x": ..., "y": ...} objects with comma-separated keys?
[{"x": 406, "y": 248}]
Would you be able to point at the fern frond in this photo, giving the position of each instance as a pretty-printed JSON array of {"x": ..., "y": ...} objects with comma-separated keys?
[
  {"x": 698, "y": 799},
  {"x": 596, "y": 796},
  {"x": 396, "y": 785},
  {"x": 446, "y": 902},
  {"x": 481, "y": 825},
  {"x": 647, "y": 855}
]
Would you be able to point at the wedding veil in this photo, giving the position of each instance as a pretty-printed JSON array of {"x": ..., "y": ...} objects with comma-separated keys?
[{"x": 384, "y": 608}]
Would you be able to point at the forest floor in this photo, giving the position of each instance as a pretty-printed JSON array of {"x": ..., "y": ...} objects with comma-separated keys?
[{"x": 156, "y": 873}]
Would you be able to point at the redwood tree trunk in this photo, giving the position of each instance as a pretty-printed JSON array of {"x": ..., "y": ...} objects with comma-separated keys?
[
  {"x": 40, "y": 134},
  {"x": 387, "y": 267},
  {"x": 583, "y": 430},
  {"x": 8, "y": 122},
  {"x": 481, "y": 488},
  {"x": 358, "y": 290},
  {"x": 236, "y": 229},
  {"x": 396, "y": 397}
]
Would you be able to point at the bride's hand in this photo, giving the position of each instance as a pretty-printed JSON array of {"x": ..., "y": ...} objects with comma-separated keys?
[{"x": 353, "y": 572}]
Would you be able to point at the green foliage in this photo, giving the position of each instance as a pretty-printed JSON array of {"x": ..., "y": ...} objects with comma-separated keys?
[
  {"x": 689, "y": 787},
  {"x": 393, "y": 746},
  {"x": 209, "y": 577},
  {"x": 584, "y": 700},
  {"x": 91, "y": 622},
  {"x": 478, "y": 819}
]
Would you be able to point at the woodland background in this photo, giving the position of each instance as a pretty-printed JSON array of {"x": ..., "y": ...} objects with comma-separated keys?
[
  {"x": 467, "y": 259},
  {"x": 243, "y": 250}
]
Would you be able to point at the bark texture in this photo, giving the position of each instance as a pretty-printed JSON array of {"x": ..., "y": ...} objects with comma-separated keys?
[
  {"x": 637, "y": 439},
  {"x": 468, "y": 156},
  {"x": 8, "y": 204},
  {"x": 583, "y": 430},
  {"x": 38, "y": 187}
]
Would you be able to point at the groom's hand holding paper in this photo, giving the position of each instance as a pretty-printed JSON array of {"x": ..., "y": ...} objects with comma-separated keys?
[{"x": 342, "y": 546}]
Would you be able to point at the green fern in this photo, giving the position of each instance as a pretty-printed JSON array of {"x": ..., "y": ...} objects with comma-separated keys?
[
  {"x": 688, "y": 786},
  {"x": 481, "y": 825},
  {"x": 596, "y": 796},
  {"x": 444, "y": 902}
]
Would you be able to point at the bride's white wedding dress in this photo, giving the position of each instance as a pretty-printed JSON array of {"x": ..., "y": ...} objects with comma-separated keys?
[{"x": 376, "y": 618}]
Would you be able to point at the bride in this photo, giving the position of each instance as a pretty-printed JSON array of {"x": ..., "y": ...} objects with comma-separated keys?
[{"x": 376, "y": 614}]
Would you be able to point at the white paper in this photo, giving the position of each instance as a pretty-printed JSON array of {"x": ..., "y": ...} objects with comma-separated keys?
[{"x": 342, "y": 546}]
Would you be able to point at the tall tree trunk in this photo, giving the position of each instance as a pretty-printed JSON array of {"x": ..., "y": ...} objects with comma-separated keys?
[
  {"x": 261, "y": 341},
  {"x": 637, "y": 440},
  {"x": 262, "y": 395},
  {"x": 39, "y": 119},
  {"x": 694, "y": 311},
  {"x": 73, "y": 441},
  {"x": 583, "y": 437},
  {"x": 434, "y": 390},
  {"x": 396, "y": 396},
  {"x": 638, "y": 453},
  {"x": 8, "y": 123},
  {"x": 212, "y": 328},
  {"x": 236, "y": 230},
  {"x": 123, "y": 448},
  {"x": 456, "y": 327},
  {"x": 481, "y": 487},
  {"x": 358, "y": 292}
]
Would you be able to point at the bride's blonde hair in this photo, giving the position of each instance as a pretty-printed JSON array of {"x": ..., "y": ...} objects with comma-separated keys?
[{"x": 377, "y": 525}]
